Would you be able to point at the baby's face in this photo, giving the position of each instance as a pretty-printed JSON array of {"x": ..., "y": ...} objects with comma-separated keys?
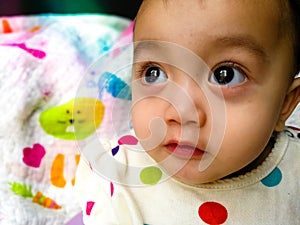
[{"x": 227, "y": 114}]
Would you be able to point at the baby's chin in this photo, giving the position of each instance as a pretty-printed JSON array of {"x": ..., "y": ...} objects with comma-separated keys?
[
  {"x": 189, "y": 174},
  {"x": 188, "y": 171},
  {"x": 193, "y": 180}
]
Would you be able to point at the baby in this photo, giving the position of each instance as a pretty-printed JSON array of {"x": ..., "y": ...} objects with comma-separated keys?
[{"x": 213, "y": 83}]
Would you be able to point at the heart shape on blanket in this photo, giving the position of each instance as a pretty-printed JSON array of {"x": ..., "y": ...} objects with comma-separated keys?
[{"x": 33, "y": 156}]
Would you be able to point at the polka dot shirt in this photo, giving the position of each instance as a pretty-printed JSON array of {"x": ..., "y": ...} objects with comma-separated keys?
[{"x": 141, "y": 193}]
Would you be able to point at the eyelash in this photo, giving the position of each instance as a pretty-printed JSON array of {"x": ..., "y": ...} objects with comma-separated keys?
[
  {"x": 231, "y": 63},
  {"x": 143, "y": 68}
]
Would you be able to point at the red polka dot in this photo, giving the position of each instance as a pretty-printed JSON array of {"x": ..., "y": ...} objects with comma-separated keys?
[
  {"x": 112, "y": 189},
  {"x": 213, "y": 213},
  {"x": 127, "y": 140},
  {"x": 89, "y": 207}
]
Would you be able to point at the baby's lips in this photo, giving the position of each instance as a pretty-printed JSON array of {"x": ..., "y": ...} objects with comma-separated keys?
[{"x": 184, "y": 149}]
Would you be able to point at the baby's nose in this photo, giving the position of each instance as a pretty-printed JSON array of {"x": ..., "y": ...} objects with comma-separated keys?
[
  {"x": 71, "y": 121},
  {"x": 184, "y": 104}
]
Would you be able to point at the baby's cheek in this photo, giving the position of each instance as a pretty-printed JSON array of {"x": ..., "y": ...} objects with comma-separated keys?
[
  {"x": 242, "y": 146},
  {"x": 139, "y": 124}
]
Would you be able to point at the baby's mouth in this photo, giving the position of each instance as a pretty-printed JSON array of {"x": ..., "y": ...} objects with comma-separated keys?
[{"x": 185, "y": 151}]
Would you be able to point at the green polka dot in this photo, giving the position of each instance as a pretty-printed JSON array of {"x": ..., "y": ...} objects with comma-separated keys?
[{"x": 150, "y": 175}]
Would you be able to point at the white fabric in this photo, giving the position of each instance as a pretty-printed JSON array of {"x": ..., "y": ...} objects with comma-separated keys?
[{"x": 268, "y": 194}]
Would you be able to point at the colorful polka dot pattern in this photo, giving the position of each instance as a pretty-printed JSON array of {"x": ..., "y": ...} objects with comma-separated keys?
[
  {"x": 209, "y": 212},
  {"x": 124, "y": 140},
  {"x": 150, "y": 175}
]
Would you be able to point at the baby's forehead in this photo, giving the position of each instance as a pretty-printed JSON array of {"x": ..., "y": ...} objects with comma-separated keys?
[
  {"x": 279, "y": 7},
  {"x": 276, "y": 12},
  {"x": 267, "y": 22}
]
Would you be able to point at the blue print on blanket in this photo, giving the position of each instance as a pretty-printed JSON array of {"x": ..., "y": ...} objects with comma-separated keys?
[{"x": 114, "y": 85}]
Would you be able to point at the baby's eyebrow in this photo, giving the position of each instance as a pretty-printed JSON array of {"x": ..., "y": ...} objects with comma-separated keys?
[
  {"x": 229, "y": 41},
  {"x": 141, "y": 46},
  {"x": 242, "y": 41}
]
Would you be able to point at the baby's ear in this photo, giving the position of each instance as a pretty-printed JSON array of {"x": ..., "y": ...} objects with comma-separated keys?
[{"x": 291, "y": 101}]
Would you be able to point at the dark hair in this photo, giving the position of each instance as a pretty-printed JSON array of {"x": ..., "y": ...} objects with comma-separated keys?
[{"x": 294, "y": 10}]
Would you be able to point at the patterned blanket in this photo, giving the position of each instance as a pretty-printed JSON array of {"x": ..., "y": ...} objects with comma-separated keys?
[{"x": 43, "y": 59}]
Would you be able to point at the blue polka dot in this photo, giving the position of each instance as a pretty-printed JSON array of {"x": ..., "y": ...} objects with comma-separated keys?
[{"x": 273, "y": 179}]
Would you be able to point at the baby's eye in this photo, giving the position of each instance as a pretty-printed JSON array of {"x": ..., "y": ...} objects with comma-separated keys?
[
  {"x": 227, "y": 76},
  {"x": 154, "y": 75}
]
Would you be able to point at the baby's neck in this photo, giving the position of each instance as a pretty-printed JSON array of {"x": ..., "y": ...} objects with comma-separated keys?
[{"x": 258, "y": 161}]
